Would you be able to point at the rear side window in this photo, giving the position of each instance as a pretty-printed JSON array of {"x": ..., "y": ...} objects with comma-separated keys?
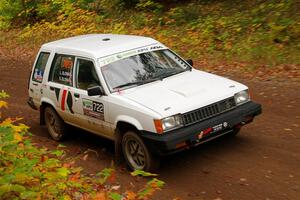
[
  {"x": 39, "y": 68},
  {"x": 62, "y": 69}
]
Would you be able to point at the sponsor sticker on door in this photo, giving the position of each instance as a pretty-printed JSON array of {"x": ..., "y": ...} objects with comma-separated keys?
[{"x": 93, "y": 109}]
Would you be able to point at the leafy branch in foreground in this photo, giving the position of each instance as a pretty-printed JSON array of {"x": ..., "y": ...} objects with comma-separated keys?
[
  {"x": 3, "y": 104},
  {"x": 29, "y": 172}
]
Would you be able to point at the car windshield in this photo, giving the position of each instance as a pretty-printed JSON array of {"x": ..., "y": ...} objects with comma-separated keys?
[{"x": 142, "y": 68}]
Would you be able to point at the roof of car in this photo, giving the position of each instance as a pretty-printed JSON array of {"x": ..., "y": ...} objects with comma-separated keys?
[{"x": 98, "y": 45}]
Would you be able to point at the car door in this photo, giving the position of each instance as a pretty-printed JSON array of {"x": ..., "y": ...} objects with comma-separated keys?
[
  {"x": 37, "y": 75},
  {"x": 91, "y": 111},
  {"x": 60, "y": 84}
]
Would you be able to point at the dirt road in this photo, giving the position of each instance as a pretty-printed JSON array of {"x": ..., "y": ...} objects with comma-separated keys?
[{"x": 262, "y": 162}]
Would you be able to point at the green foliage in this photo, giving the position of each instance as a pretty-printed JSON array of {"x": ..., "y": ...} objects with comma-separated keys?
[
  {"x": 3, "y": 94},
  {"x": 185, "y": 14},
  {"x": 151, "y": 187},
  {"x": 258, "y": 32},
  {"x": 142, "y": 173},
  {"x": 28, "y": 172},
  {"x": 10, "y": 8},
  {"x": 149, "y": 5},
  {"x": 3, "y": 104},
  {"x": 105, "y": 175},
  {"x": 115, "y": 196}
]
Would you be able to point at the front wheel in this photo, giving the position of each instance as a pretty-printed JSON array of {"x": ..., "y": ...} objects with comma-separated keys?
[
  {"x": 56, "y": 126},
  {"x": 136, "y": 154}
]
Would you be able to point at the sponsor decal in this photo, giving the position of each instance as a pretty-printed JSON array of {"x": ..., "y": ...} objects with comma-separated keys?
[
  {"x": 110, "y": 59},
  {"x": 66, "y": 97},
  {"x": 156, "y": 47},
  {"x": 38, "y": 75},
  {"x": 65, "y": 76},
  {"x": 205, "y": 132},
  {"x": 57, "y": 91},
  {"x": 218, "y": 127},
  {"x": 67, "y": 63},
  {"x": 70, "y": 102},
  {"x": 65, "y": 70},
  {"x": 213, "y": 129},
  {"x": 142, "y": 50},
  {"x": 93, "y": 109},
  {"x": 63, "y": 100}
]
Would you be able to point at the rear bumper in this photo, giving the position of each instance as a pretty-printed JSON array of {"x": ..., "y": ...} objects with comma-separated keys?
[
  {"x": 31, "y": 103},
  {"x": 192, "y": 135}
]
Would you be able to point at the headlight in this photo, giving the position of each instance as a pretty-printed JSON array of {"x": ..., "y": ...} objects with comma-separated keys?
[
  {"x": 168, "y": 123},
  {"x": 241, "y": 97}
]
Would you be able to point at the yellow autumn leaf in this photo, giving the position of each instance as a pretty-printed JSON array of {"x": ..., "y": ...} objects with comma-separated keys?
[
  {"x": 130, "y": 195},
  {"x": 6, "y": 122},
  {"x": 18, "y": 137},
  {"x": 22, "y": 178},
  {"x": 100, "y": 196},
  {"x": 17, "y": 119},
  {"x": 66, "y": 197},
  {"x": 3, "y": 104},
  {"x": 17, "y": 129},
  {"x": 20, "y": 128}
]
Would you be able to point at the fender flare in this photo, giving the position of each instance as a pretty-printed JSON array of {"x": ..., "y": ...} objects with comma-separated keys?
[
  {"x": 129, "y": 120},
  {"x": 42, "y": 107}
]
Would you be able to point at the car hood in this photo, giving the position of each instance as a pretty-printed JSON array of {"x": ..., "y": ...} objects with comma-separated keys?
[{"x": 183, "y": 92}]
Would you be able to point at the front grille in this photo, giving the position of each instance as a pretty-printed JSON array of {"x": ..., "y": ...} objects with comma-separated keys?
[{"x": 208, "y": 111}]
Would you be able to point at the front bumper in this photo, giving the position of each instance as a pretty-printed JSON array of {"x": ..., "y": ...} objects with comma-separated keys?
[{"x": 192, "y": 135}]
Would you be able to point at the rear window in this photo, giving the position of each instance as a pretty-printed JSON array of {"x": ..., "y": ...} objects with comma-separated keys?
[
  {"x": 40, "y": 65},
  {"x": 62, "y": 69}
]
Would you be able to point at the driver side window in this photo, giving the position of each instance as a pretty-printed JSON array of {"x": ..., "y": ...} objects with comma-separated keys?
[{"x": 86, "y": 74}]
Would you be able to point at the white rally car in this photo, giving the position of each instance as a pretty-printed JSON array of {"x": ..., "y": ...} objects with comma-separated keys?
[{"x": 137, "y": 92}]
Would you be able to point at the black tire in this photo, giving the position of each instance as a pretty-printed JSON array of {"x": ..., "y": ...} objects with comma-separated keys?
[
  {"x": 136, "y": 153},
  {"x": 55, "y": 125},
  {"x": 234, "y": 132}
]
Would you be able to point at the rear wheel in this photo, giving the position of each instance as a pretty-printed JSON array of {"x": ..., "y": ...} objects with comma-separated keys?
[
  {"x": 137, "y": 154},
  {"x": 56, "y": 126}
]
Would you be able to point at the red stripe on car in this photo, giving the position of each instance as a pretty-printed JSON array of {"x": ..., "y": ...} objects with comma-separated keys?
[{"x": 63, "y": 100}]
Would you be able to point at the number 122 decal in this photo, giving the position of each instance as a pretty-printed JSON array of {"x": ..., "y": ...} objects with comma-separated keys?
[
  {"x": 98, "y": 107},
  {"x": 93, "y": 109}
]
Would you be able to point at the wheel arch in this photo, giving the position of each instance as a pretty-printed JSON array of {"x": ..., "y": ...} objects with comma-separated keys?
[
  {"x": 121, "y": 119},
  {"x": 121, "y": 128},
  {"x": 124, "y": 126},
  {"x": 44, "y": 104}
]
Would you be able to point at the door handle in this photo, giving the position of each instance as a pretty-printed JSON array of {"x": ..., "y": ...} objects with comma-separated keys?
[
  {"x": 35, "y": 84},
  {"x": 52, "y": 88},
  {"x": 76, "y": 95}
]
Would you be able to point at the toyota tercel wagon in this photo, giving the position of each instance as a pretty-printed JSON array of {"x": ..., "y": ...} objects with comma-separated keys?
[{"x": 137, "y": 92}]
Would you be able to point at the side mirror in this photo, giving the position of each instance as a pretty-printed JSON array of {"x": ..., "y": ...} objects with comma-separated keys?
[
  {"x": 95, "y": 91},
  {"x": 190, "y": 61}
]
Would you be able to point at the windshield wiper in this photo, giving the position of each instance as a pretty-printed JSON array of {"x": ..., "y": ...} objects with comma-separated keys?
[
  {"x": 167, "y": 74},
  {"x": 129, "y": 84},
  {"x": 151, "y": 80}
]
